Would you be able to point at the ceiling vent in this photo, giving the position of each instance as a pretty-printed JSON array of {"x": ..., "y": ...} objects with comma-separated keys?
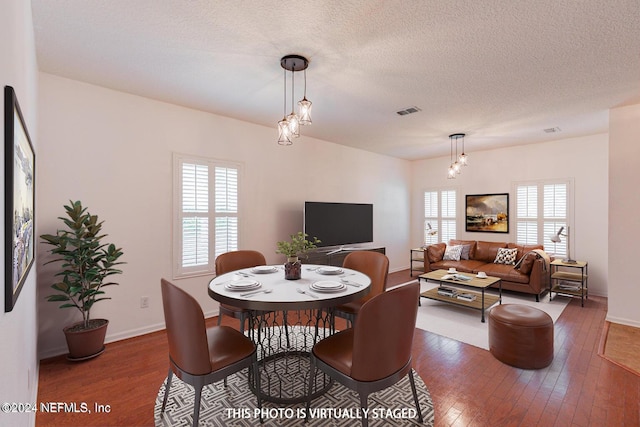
[
  {"x": 408, "y": 111},
  {"x": 552, "y": 130}
]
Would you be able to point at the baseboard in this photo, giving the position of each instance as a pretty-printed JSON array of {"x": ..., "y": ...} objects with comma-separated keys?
[{"x": 622, "y": 321}]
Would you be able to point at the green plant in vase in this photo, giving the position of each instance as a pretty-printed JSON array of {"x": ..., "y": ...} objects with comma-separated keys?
[{"x": 293, "y": 249}]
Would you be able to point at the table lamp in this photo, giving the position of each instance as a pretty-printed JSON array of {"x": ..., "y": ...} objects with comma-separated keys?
[{"x": 556, "y": 238}]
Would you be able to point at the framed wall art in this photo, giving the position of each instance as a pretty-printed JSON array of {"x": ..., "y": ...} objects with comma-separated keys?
[
  {"x": 19, "y": 199},
  {"x": 487, "y": 213}
]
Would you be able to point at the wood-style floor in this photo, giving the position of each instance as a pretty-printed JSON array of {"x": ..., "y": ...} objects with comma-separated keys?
[{"x": 468, "y": 386}]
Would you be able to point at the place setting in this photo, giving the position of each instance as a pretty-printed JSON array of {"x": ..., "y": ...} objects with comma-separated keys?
[
  {"x": 327, "y": 286},
  {"x": 264, "y": 269}
]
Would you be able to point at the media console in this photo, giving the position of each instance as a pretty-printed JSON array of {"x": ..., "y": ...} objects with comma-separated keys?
[{"x": 334, "y": 257}]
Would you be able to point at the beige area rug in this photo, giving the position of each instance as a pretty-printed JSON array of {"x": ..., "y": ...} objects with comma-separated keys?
[
  {"x": 463, "y": 324},
  {"x": 622, "y": 346}
]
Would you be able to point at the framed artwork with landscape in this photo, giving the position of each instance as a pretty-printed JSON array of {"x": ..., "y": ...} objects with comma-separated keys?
[
  {"x": 488, "y": 213},
  {"x": 19, "y": 199}
]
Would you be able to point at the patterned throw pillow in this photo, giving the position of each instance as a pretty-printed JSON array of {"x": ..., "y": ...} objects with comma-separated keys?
[
  {"x": 506, "y": 256},
  {"x": 453, "y": 253}
]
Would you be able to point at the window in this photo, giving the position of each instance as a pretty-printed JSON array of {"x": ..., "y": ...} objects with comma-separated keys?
[
  {"x": 206, "y": 213},
  {"x": 440, "y": 215},
  {"x": 541, "y": 209}
]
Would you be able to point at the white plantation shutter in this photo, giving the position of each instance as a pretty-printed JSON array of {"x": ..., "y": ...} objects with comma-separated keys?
[
  {"x": 541, "y": 209},
  {"x": 440, "y": 212},
  {"x": 226, "y": 211},
  {"x": 206, "y": 225},
  {"x": 555, "y": 216},
  {"x": 431, "y": 217},
  {"x": 527, "y": 214},
  {"x": 448, "y": 215}
]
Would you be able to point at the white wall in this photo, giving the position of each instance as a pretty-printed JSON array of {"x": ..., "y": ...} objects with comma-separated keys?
[
  {"x": 494, "y": 171},
  {"x": 624, "y": 224},
  {"x": 113, "y": 151},
  {"x": 18, "y": 328}
]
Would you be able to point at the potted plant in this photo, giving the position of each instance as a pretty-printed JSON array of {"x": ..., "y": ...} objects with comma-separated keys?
[
  {"x": 294, "y": 248},
  {"x": 87, "y": 264}
]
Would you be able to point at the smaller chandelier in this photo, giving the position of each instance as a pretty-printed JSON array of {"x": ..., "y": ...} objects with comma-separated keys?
[
  {"x": 457, "y": 162},
  {"x": 289, "y": 126}
]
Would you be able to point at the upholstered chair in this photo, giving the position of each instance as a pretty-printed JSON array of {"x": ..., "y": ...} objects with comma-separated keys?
[
  {"x": 376, "y": 353},
  {"x": 199, "y": 356}
]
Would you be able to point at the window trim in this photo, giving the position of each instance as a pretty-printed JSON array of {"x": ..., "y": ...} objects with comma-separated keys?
[{"x": 178, "y": 271}]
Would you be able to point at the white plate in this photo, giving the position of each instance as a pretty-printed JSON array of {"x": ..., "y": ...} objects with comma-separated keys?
[
  {"x": 242, "y": 285},
  {"x": 481, "y": 277},
  {"x": 329, "y": 270},
  {"x": 327, "y": 286},
  {"x": 264, "y": 269}
]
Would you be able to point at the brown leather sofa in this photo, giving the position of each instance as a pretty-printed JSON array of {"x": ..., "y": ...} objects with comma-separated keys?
[{"x": 529, "y": 276}]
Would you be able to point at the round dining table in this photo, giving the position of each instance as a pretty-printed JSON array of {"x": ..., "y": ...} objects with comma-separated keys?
[{"x": 287, "y": 317}]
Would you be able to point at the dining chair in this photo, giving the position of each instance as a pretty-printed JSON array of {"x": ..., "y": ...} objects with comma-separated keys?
[
  {"x": 201, "y": 356},
  {"x": 376, "y": 352},
  {"x": 373, "y": 264},
  {"x": 231, "y": 261}
]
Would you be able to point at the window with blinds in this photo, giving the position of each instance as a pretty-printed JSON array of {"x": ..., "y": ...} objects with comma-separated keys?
[
  {"x": 206, "y": 224},
  {"x": 439, "y": 216},
  {"x": 541, "y": 209}
]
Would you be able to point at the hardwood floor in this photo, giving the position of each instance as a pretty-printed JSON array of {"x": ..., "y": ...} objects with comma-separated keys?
[{"x": 468, "y": 386}]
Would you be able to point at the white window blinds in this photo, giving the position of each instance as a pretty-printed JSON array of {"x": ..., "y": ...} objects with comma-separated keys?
[
  {"x": 440, "y": 215},
  {"x": 206, "y": 225},
  {"x": 541, "y": 209}
]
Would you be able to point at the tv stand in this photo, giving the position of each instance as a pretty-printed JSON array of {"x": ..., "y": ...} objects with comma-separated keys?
[{"x": 335, "y": 257}]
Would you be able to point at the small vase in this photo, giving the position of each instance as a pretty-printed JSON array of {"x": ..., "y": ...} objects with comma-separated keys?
[{"x": 292, "y": 268}]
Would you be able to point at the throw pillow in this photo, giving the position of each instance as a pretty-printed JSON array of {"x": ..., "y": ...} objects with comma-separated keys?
[
  {"x": 506, "y": 256},
  {"x": 453, "y": 253},
  {"x": 436, "y": 252},
  {"x": 465, "y": 252}
]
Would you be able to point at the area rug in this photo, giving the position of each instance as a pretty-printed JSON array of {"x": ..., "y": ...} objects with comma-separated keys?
[
  {"x": 621, "y": 345},
  {"x": 235, "y": 405},
  {"x": 463, "y": 324}
]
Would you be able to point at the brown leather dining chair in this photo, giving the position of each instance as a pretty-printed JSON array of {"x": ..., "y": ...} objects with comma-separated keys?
[
  {"x": 231, "y": 261},
  {"x": 373, "y": 264},
  {"x": 376, "y": 353},
  {"x": 201, "y": 356}
]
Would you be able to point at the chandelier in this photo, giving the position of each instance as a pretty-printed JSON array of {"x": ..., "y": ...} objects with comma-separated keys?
[
  {"x": 289, "y": 126},
  {"x": 457, "y": 162}
]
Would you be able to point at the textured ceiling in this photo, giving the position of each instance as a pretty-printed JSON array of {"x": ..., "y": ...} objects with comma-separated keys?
[{"x": 500, "y": 71}]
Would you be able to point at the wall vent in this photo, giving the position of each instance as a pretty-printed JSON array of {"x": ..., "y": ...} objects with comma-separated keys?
[
  {"x": 409, "y": 110},
  {"x": 552, "y": 130}
]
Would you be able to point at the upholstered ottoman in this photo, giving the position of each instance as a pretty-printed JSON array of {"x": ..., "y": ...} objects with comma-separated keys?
[{"x": 521, "y": 336}]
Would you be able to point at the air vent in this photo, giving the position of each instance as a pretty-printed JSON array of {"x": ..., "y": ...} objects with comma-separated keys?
[
  {"x": 409, "y": 110},
  {"x": 552, "y": 130}
]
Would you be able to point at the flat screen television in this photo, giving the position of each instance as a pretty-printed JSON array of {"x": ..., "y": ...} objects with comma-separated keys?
[{"x": 337, "y": 224}]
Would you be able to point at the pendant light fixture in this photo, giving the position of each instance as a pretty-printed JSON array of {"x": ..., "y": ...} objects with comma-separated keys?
[
  {"x": 456, "y": 165},
  {"x": 289, "y": 126}
]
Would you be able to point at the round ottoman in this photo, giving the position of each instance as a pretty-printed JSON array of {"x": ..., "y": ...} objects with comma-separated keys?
[{"x": 521, "y": 336}]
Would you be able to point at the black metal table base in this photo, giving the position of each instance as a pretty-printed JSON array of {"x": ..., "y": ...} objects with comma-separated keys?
[{"x": 284, "y": 341}]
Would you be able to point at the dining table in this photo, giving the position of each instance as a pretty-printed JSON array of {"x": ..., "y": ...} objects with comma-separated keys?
[{"x": 287, "y": 317}]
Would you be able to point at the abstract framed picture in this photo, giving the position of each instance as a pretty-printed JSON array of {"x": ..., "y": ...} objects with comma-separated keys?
[
  {"x": 19, "y": 199},
  {"x": 488, "y": 213}
]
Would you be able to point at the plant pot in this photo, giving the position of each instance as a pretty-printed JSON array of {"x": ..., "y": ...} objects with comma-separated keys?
[
  {"x": 293, "y": 269},
  {"x": 88, "y": 343}
]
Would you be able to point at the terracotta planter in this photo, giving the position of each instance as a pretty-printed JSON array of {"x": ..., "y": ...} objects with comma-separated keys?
[{"x": 85, "y": 344}]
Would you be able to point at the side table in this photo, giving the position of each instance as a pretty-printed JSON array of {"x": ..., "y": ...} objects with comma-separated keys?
[
  {"x": 416, "y": 255},
  {"x": 577, "y": 280}
]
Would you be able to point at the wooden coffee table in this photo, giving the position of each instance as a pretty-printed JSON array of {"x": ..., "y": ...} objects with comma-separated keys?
[{"x": 477, "y": 287}]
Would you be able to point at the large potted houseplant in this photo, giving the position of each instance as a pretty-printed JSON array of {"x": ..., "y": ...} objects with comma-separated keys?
[
  {"x": 87, "y": 264},
  {"x": 293, "y": 249}
]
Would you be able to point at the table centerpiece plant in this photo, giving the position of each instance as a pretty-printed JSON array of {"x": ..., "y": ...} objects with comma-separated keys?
[
  {"x": 297, "y": 246},
  {"x": 87, "y": 264}
]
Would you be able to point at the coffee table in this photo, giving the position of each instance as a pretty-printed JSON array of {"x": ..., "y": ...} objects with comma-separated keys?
[{"x": 478, "y": 286}]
